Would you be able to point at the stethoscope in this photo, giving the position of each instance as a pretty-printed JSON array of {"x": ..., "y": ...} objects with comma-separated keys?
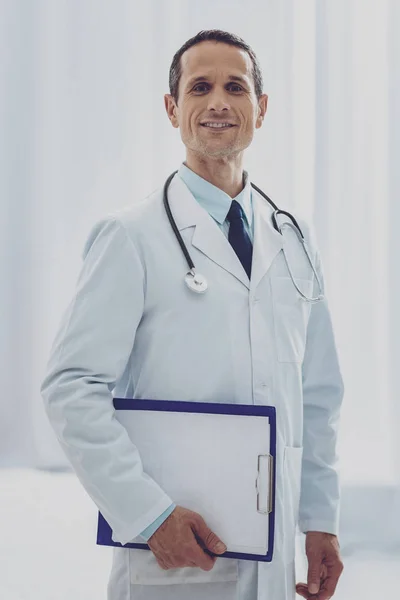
[{"x": 198, "y": 283}]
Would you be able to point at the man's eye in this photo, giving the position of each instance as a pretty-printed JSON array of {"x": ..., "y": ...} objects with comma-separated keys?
[
  {"x": 199, "y": 85},
  {"x": 205, "y": 85}
]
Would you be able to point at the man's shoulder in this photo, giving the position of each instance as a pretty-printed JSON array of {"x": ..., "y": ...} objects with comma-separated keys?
[
  {"x": 138, "y": 219},
  {"x": 139, "y": 212}
]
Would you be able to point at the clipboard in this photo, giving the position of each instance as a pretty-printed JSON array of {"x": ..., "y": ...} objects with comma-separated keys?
[{"x": 240, "y": 506}]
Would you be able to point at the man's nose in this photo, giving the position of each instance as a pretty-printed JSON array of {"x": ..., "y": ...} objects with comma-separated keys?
[{"x": 218, "y": 101}]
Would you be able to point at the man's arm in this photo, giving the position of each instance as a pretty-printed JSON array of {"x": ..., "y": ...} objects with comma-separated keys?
[
  {"x": 89, "y": 354},
  {"x": 323, "y": 392}
]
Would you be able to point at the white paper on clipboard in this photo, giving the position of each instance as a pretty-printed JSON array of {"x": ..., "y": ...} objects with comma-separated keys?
[{"x": 217, "y": 465}]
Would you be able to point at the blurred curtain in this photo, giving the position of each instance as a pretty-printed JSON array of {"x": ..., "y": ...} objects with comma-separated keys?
[{"x": 84, "y": 131}]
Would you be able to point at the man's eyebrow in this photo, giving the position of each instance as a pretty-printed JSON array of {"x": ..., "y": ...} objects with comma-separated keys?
[{"x": 205, "y": 78}]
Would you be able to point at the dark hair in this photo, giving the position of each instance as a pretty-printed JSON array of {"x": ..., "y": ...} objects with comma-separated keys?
[{"x": 217, "y": 35}]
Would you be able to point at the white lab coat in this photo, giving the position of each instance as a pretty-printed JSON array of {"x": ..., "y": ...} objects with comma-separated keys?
[{"x": 133, "y": 329}]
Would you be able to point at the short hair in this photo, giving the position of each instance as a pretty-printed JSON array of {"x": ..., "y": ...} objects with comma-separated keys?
[{"x": 175, "y": 71}]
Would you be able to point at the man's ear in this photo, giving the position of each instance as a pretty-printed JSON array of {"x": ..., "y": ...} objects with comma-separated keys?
[
  {"x": 262, "y": 109},
  {"x": 171, "y": 108}
]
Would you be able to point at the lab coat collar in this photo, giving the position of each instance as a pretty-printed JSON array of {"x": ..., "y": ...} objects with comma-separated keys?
[{"x": 209, "y": 239}]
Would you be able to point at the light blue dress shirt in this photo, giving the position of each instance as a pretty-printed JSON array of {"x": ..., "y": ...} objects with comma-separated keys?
[{"x": 217, "y": 203}]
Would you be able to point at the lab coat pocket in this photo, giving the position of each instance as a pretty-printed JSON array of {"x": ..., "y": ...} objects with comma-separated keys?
[
  {"x": 291, "y": 313},
  {"x": 291, "y": 498},
  {"x": 145, "y": 570}
]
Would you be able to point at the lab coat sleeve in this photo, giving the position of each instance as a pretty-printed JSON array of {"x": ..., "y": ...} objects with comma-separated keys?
[
  {"x": 90, "y": 352},
  {"x": 323, "y": 392}
]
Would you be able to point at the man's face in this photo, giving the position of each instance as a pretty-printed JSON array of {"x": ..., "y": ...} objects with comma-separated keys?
[{"x": 216, "y": 97}]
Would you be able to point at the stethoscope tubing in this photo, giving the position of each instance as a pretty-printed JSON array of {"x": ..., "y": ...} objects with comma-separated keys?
[{"x": 294, "y": 225}]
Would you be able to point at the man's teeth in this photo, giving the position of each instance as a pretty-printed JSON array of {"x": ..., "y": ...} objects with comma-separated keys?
[{"x": 217, "y": 125}]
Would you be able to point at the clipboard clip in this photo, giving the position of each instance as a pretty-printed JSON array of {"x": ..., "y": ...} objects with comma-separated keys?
[{"x": 269, "y": 465}]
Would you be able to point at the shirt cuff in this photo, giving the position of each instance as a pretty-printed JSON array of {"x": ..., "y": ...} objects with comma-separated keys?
[{"x": 148, "y": 532}]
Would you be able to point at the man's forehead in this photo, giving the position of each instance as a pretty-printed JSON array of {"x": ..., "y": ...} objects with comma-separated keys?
[{"x": 203, "y": 60}]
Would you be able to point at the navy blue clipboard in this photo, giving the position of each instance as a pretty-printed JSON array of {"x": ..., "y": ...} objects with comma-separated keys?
[{"x": 104, "y": 531}]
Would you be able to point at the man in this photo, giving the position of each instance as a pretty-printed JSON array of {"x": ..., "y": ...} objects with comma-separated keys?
[{"x": 135, "y": 327}]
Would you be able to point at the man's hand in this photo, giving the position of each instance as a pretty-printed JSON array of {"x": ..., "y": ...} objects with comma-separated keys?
[
  {"x": 324, "y": 566},
  {"x": 180, "y": 540}
]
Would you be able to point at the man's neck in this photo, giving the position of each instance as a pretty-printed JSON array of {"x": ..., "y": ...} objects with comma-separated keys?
[{"x": 226, "y": 176}]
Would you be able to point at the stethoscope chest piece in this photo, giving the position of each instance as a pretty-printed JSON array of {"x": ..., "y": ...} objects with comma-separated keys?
[{"x": 196, "y": 282}]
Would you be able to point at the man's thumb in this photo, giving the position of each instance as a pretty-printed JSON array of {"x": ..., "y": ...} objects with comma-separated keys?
[
  {"x": 210, "y": 539},
  {"x": 313, "y": 579}
]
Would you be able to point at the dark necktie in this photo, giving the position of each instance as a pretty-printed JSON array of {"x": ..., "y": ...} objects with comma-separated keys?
[{"x": 238, "y": 236}]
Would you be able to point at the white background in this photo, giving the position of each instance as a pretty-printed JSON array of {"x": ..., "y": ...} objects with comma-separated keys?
[{"x": 84, "y": 130}]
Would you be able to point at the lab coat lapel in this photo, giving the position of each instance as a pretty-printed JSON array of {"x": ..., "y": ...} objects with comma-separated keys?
[
  {"x": 267, "y": 241},
  {"x": 209, "y": 239},
  {"x": 207, "y": 236}
]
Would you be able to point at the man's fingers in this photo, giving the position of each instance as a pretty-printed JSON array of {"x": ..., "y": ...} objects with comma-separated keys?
[
  {"x": 174, "y": 543},
  {"x": 314, "y": 574},
  {"x": 162, "y": 564},
  {"x": 198, "y": 556},
  {"x": 208, "y": 537},
  {"x": 326, "y": 591},
  {"x": 330, "y": 584},
  {"x": 203, "y": 560},
  {"x": 330, "y": 580},
  {"x": 301, "y": 589}
]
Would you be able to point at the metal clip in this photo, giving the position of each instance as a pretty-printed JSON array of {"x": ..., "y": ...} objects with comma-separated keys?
[{"x": 270, "y": 484}]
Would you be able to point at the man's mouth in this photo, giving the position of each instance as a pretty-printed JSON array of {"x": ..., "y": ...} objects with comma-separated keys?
[{"x": 217, "y": 125}]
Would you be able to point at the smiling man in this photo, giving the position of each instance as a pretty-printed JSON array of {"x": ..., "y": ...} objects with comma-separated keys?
[
  {"x": 217, "y": 103},
  {"x": 134, "y": 327}
]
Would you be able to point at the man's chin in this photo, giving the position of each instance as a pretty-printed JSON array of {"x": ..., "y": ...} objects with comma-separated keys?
[{"x": 215, "y": 150}]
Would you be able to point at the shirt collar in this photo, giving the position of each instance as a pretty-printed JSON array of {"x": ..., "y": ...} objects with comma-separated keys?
[{"x": 214, "y": 200}]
